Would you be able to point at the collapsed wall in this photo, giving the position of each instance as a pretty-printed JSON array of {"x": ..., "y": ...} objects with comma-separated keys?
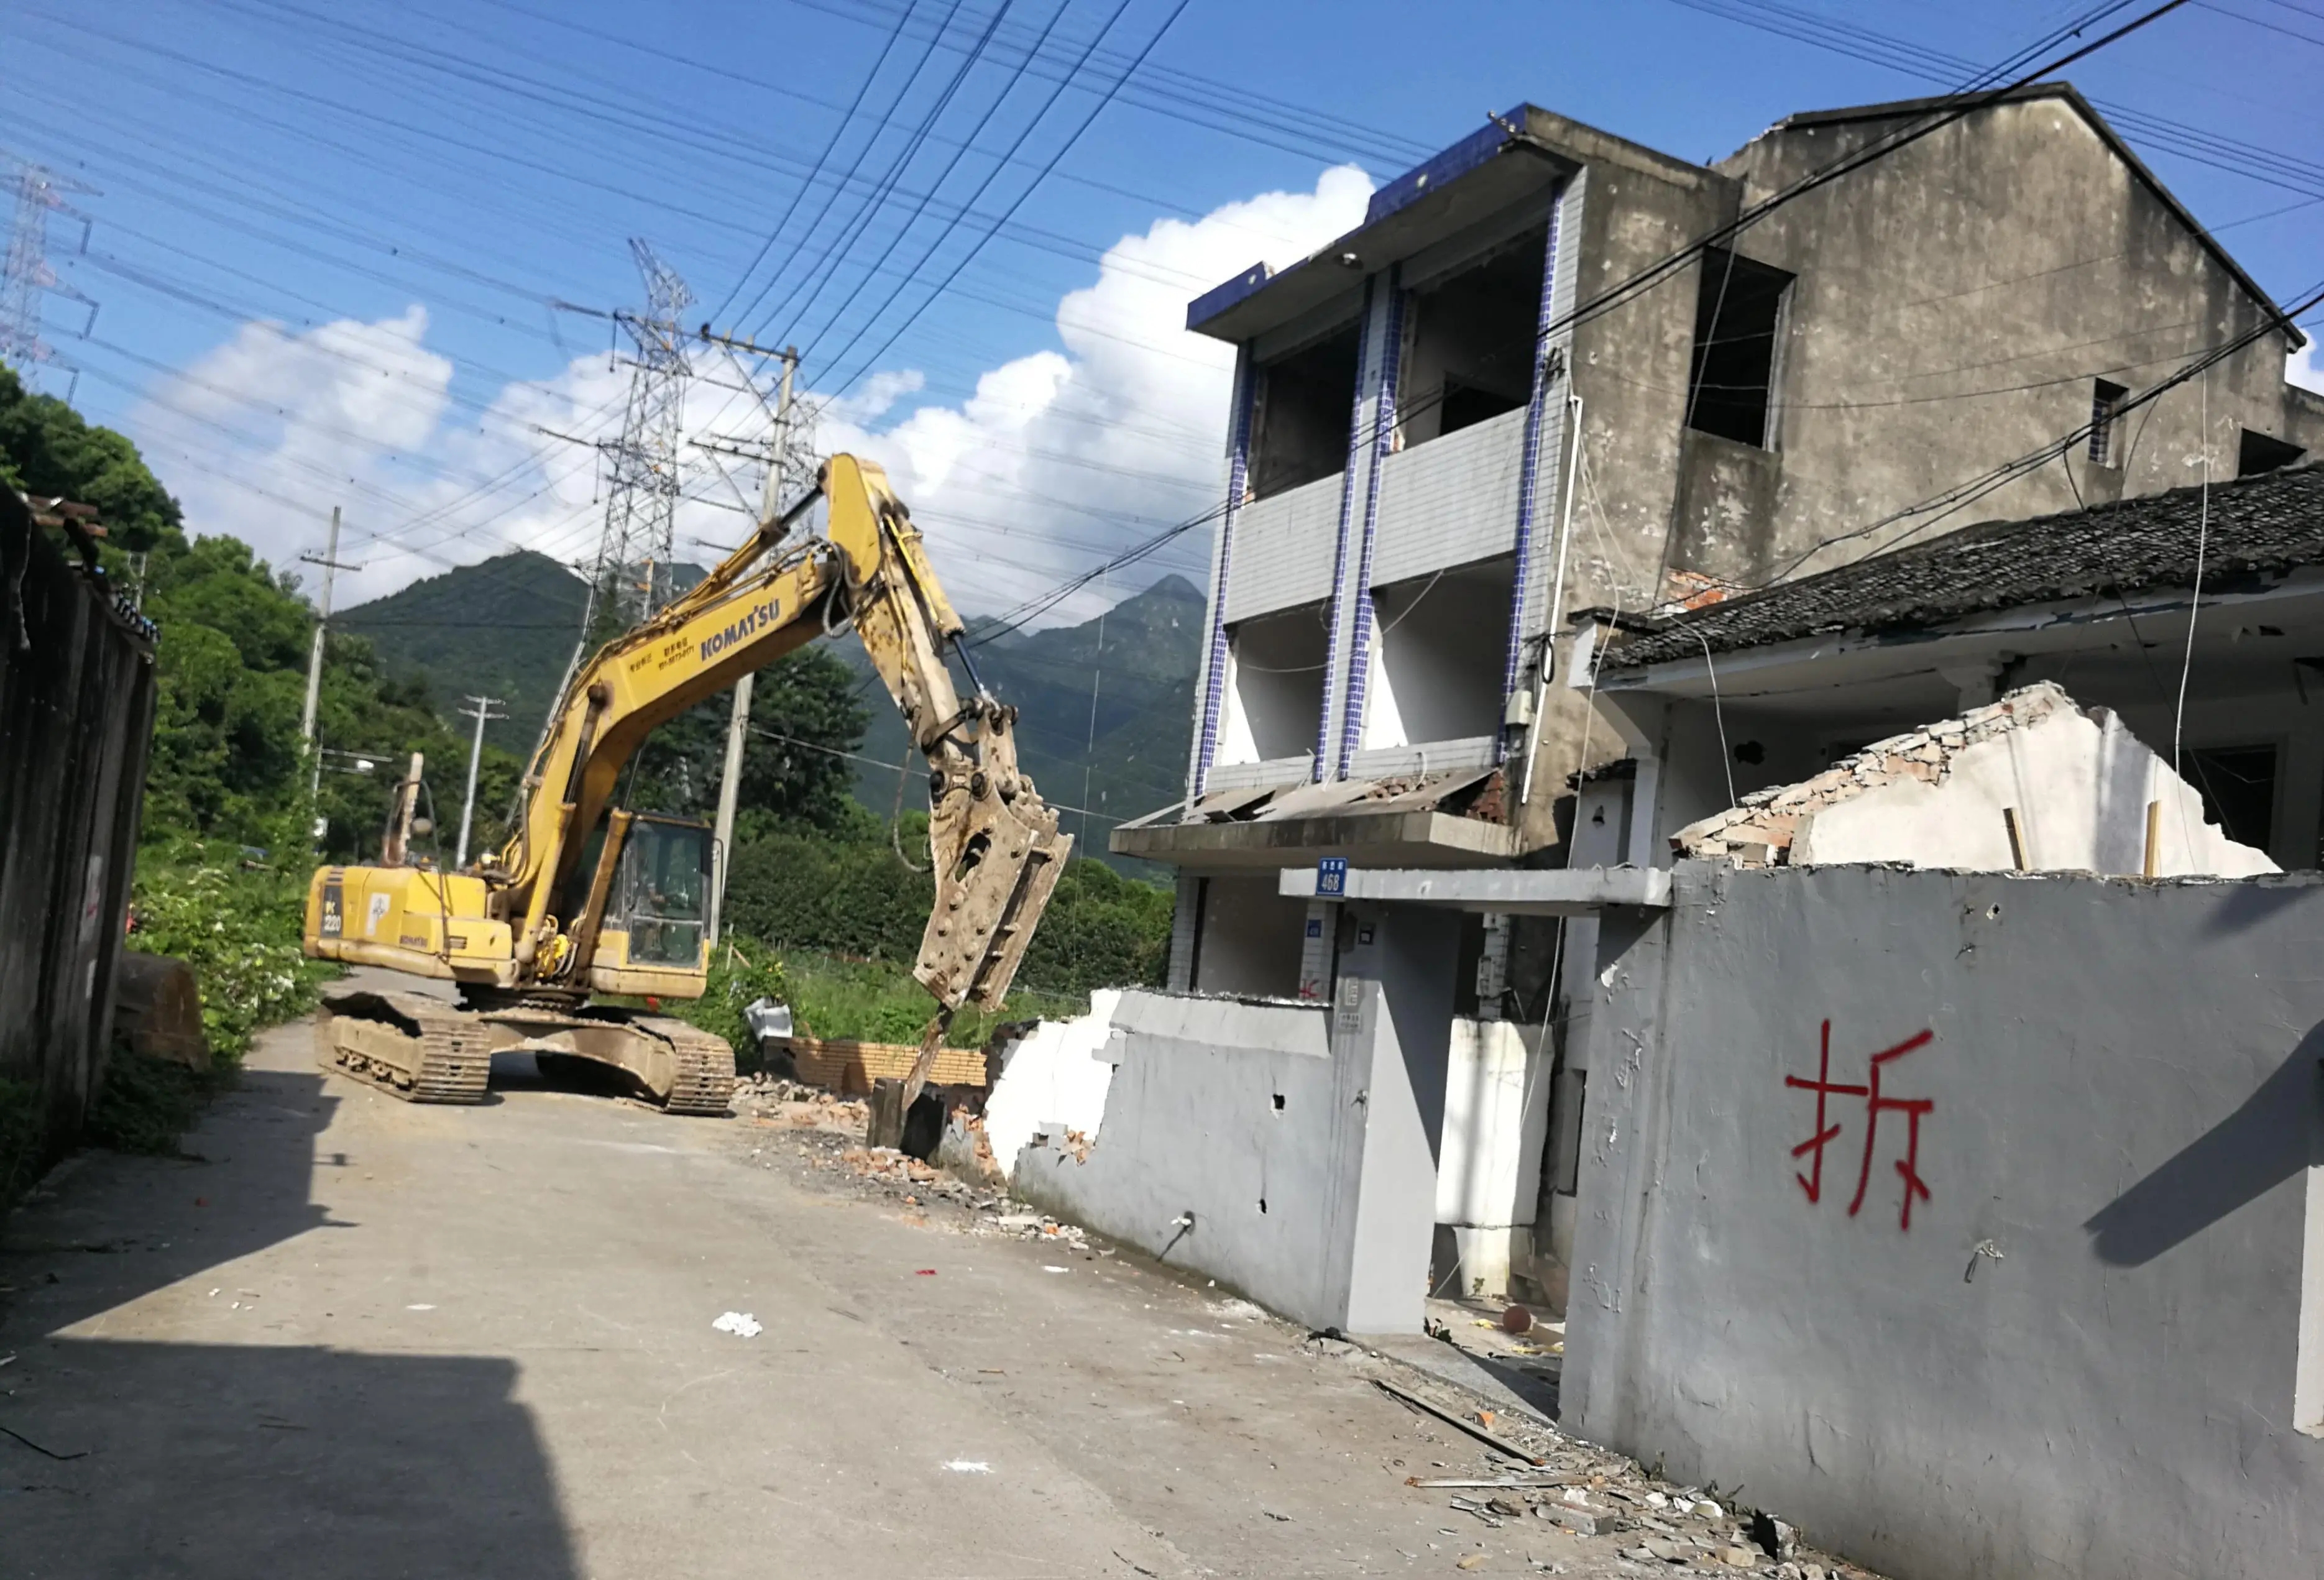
[{"x": 2031, "y": 783}]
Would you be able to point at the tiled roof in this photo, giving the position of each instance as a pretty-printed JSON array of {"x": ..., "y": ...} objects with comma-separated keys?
[{"x": 2257, "y": 527}]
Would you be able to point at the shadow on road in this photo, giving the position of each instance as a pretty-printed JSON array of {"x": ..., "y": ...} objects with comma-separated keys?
[{"x": 130, "y": 1452}]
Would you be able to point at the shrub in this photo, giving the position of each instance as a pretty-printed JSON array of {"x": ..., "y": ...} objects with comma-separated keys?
[
  {"x": 147, "y": 1102},
  {"x": 237, "y": 925},
  {"x": 809, "y": 892},
  {"x": 1102, "y": 929}
]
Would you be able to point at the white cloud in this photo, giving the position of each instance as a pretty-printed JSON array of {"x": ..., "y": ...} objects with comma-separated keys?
[
  {"x": 1057, "y": 459},
  {"x": 263, "y": 435},
  {"x": 2306, "y": 368}
]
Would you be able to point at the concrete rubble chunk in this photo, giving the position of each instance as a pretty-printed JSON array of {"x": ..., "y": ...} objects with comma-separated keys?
[{"x": 157, "y": 1009}]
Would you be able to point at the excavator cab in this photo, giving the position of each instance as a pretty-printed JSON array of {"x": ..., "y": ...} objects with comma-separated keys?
[
  {"x": 661, "y": 898},
  {"x": 639, "y": 926}
]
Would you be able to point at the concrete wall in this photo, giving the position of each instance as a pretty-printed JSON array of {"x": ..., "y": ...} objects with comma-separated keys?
[
  {"x": 2073, "y": 1349},
  {"x": 76, "y": 700},
  {"x": 1054, "y": 1081},
  {"x": 1288, "y": 1150}
]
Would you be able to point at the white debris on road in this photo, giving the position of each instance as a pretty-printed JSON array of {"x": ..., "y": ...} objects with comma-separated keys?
[{"x": 740, "y": 1323}]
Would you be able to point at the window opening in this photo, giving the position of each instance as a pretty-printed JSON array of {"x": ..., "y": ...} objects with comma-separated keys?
[
  {"x": 1441, "y": 645},
  {"x": 1252, "y": 939},
  {"x": 1279, "y": 682},
  {"x": 1307, "y": 409},
  {"x": 1739, "y": 316},
  {"x": 2237, "y": 784},
  {"x": 2261, "y": 452},
  {"x": 1471, "y": 340},
  {"x": 2105, "y": 406}
]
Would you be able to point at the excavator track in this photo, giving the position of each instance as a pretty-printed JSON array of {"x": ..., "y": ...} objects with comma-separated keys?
[
  {"x": 407, "y": 1045},
  {"x": 704, "y": 1077}
]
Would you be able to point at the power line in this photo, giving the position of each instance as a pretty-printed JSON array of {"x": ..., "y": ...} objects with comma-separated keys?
[
  {"x": 1063, "y": 149},
  {"x": 1024, "y": 132},
  {"x": 854, "y": 172},
  {"x": 822, "y": 160},
  {"x": 832, "y": 320}
]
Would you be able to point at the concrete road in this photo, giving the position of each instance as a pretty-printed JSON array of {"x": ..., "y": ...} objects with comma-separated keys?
[{"x": 362, "y": 1338}]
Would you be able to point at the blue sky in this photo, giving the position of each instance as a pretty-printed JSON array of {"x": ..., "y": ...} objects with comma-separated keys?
[{"x": 328, "y": 238}]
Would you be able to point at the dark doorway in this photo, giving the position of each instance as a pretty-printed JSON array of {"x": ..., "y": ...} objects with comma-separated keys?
[
  {"x": 1307, "y": 410},
  {"x": 1471, "y": 340}
]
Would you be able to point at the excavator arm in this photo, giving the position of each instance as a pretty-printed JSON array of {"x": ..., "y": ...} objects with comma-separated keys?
[{"x": 996, "y": 850}]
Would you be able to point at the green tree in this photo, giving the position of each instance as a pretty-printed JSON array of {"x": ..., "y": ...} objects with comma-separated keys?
[
  {"x": 47, "y": 448},
  {"x": 805, "y": 723},
  {"x": 230, "y": 665}
]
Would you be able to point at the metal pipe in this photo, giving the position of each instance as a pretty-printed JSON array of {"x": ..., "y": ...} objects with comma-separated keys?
[
  {"x": 1556, "y": 597},
  {"x": 1529, "y": 467}
]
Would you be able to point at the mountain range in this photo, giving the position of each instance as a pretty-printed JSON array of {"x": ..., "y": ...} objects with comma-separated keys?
[{"x": 1103, "y": 707}]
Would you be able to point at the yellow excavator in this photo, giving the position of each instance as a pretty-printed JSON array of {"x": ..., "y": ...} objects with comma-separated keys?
[{"x": 590, "y": 898}]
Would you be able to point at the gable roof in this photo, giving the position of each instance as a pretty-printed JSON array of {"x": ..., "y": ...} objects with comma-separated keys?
[
  {"x": 2249, "y": 528},
  {"x": 2065, "y": 93}
]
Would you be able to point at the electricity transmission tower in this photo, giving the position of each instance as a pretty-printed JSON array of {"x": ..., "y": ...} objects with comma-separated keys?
[
  {"x": 631, "y": 578},
  {"x": 26, "y": 277}
]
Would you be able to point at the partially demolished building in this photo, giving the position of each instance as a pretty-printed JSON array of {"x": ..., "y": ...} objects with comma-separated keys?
[
  {"x": 1457, "y": 423},
  {"x": 2194, "y": 617}
]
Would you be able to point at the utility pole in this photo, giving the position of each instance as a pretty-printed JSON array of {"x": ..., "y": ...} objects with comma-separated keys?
[
  {"x": 482, "y": 712},
  {"x": 737, "y": 724},
  {"x": 329, "y": 561},
  {"x": 398, "y": 843}
]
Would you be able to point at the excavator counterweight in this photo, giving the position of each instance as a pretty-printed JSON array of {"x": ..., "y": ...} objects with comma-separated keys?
[{"x": 590, "y": 898}]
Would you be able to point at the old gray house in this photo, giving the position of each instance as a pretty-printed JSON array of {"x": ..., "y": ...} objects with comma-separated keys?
[
  {"x": 2099, "y": 601},
  {"x": 1435, "y": 459}
]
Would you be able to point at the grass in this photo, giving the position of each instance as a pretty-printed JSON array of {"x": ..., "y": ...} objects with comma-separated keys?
[{"x": 870, "y": 1000}]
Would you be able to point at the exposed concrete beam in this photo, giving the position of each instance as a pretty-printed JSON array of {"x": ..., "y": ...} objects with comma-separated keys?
[
  {"x": 1560, "y": 891},
  {"x": 1412, "y": 838}
]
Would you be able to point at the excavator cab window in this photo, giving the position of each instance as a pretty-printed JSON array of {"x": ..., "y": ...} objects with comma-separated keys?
[{"x": 661, "y": 892}]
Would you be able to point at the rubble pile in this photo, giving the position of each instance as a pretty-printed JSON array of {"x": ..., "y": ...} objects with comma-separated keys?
[
  {"x": 1608, "y": 1503},
  {"x": 1766, "y": 828},
  {"x": 764, "y": 1100}
]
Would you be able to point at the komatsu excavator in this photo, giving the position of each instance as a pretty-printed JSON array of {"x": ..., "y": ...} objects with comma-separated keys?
[{"x": 589, "y": 898}]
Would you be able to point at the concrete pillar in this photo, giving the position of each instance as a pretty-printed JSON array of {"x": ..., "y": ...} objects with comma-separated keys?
[
  {"x": 1392, "y": 1032},
  {"x": 1351, "y": 607},
  {"x": 1210, "y": 685},
  {"x": 1185, "y": 925}
]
